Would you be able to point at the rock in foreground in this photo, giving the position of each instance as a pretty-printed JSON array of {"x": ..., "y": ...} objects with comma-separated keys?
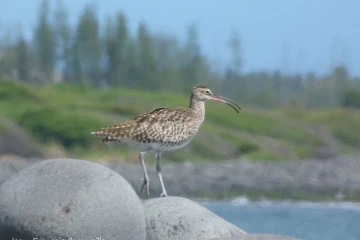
[
  {"x": 70, "y": 199},
  {"x": 178, "y": 218}
]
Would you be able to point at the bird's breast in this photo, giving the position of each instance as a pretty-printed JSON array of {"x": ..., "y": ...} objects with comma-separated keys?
[{"x": 170, "y": 145}]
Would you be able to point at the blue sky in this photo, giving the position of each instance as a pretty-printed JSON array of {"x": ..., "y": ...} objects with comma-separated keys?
[{"x": 312, "y": 34}]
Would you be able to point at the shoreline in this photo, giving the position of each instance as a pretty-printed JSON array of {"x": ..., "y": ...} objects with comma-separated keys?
[
  {"x": 244, "y": 201},
  {"x": 335, "y": 180}
]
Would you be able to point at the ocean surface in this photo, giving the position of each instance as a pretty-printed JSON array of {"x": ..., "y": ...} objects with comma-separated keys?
[{"x": 304, "y": 220}]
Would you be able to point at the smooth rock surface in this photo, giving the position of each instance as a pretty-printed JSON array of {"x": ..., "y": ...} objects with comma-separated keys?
[
  {"x": 70, "y": 199},
  {"x": 179, "y": 218},
  {"x": 258, "y": 237}
]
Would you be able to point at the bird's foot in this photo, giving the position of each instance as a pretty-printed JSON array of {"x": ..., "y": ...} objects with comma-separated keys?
[
  {"x": 145, "y": 183},
  {"x": 164, "y": 194}
]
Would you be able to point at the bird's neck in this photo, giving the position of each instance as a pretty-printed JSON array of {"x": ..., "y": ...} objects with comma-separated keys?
[{"x": 198, "y": 107}]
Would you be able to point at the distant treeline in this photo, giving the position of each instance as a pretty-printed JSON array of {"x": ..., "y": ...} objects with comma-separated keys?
[{"x": 107, "y": 54}]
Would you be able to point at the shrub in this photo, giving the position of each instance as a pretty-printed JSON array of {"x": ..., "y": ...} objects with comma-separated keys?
[
  {"x": 248, "y": 147},
  {"x": 351, "y": 98},
  {"x": 10, "y": 91},
  {"x": 68, "y": 128}
]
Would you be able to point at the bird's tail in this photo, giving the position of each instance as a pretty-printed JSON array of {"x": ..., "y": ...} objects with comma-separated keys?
[
  {"x": 105, "y": 134},
  {"x": 113, "y": 133}
]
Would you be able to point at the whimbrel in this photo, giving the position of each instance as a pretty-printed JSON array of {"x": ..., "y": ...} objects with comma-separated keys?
[{"x": 163, "y": 129}]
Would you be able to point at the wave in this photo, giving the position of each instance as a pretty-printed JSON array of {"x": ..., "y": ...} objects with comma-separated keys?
[{"x": 244, "y": 201}]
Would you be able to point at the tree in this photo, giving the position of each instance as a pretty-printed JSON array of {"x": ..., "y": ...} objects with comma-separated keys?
[
  {"x": 74, "y": 69},
  {"x": 23, "y": 59},
  {"x": 44, "y": 41},
  {"x": 234, "y": 44},
  {"x": 116, "y": 40},
  {"x": 193, "y": 61},
  {"x": 7, "y": 53},
  {"x": 233, "y": 84},
  {"x": 62, "y": 34},
  {"x": 351, "y": 98},
  {"x": 86, "y": 48},
  {"x": 132, "y": 72},
  {"x": 148, "y": 69},
  {"x": 8, "y": 62},
  {"x": 167, "y": 57}
]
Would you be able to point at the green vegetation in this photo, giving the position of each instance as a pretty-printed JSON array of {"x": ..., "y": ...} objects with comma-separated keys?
[
  {"x": 65, "y": 114},
  {"x": 344, "y": 124},
  {"x": 352, "y": 98}
]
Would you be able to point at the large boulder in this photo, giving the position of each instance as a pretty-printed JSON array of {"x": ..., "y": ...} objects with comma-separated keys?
[
  {"x": 66, "y": 198},
  {"x": 179, "y": 218},
  {"x": 14, "y": 140}
]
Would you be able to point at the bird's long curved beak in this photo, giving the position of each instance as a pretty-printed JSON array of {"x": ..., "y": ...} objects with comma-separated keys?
[{"x": 226, "y": 101}]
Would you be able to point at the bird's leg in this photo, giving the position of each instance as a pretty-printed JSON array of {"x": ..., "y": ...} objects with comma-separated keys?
[
  {"x": 158, "y": 170},
  {"x": 145, "y": 180}
]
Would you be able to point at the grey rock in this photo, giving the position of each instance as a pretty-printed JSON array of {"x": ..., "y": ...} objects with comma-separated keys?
[
  {"x": 331, "y": 177},
  {"x": 14, "y": 140},
  {"x": 10, "y": 166},
  {"x": 258, "y": 237},
  {"x": 178, "y": 218},
  {"x": 70, "y": 198}
]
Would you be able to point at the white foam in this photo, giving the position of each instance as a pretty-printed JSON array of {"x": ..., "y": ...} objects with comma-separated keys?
[
  {"x": 240, "y": 201},
  {"x": 292, "y": 203}
]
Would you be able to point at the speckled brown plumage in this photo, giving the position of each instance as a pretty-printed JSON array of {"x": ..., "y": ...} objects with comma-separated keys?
[
  {"x": 163, "y": 129},
  {"x": 169, "y": 126}
]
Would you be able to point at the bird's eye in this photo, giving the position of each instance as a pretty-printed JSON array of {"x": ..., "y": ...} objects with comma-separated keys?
[{"x": 207, "y": 92}]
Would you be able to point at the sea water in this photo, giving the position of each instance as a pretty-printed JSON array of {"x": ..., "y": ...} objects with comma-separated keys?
[{"x": 304, "y": 220}]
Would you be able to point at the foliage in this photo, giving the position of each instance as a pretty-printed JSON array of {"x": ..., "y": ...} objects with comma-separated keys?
[
  {"x": 84, "y": 77},
  {"x": 11, "y": 91},
  {"x": 351, "y": 98},
  {"x": 345, "y": 124},
  {"x": 248, "y": 147},
  {"x": 110, "y": 54},
  {"x": 65, "y": 127},
  {"x": 262, "y": 122},
  {"x": 67, "y": 113},
  {"x": 44, "y": 40}
]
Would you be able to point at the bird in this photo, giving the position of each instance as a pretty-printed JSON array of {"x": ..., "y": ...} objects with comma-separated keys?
[{"x": 162, "y": 129}]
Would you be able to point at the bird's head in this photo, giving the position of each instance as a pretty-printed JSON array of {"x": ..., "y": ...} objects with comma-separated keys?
[{"x": 202, "y": 93}]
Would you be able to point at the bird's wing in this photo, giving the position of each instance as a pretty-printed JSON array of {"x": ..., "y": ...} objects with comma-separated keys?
[{"x": 151, "y": 126}]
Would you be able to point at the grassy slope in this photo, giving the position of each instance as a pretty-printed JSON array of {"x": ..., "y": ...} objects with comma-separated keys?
[{"x": 67, "y": 114}]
